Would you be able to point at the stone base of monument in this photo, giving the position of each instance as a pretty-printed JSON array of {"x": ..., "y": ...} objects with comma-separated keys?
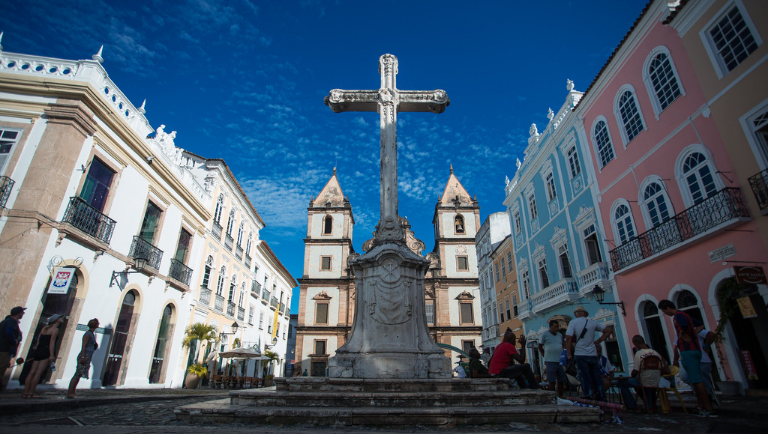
[{"x": 331, "y": 401}]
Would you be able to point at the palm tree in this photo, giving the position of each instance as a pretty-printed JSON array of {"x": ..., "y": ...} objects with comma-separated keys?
[
  {"x": 272, "y": 357},
  {"x": 199, "y": 333}
]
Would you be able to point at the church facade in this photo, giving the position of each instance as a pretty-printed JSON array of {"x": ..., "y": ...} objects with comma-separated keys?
[{"x": 327, "y": 288}]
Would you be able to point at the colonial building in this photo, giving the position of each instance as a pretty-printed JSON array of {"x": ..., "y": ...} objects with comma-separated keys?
[
  {"x": 328, "y": 291},
  {"x": 493, "y": 231},
  {"x": 558, "y": 237},
  {"x": 506, "y": 288},
  {"x": 98, "y": 221}
]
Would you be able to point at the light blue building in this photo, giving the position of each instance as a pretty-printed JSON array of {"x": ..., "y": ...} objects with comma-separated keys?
[{"x": 559, "y": 241}]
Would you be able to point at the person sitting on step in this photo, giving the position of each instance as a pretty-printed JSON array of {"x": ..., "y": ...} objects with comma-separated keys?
[{"x": 501, "y": 364}]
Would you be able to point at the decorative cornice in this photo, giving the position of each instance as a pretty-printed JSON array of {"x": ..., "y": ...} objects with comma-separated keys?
[
  {"x": 322, "y": 295},
  {"x": 73, "y": 113},
  {"x": 465, "y": 296}
]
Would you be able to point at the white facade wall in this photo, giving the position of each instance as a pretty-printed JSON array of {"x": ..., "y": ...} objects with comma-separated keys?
[
  {"x": 317, "y": 225},
  {"x": 333, "y": 306},
  {"x": 315, "y": 261},
  {"x": 451, "y": 263}
]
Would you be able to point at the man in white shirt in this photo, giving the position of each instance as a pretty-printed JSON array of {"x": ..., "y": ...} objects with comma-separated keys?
[{"x": 580, "y": 342}]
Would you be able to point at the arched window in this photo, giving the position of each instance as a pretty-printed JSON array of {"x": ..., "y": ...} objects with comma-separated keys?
[
  {"x": 699, "y": 177},
  {"x": 232, "y": 284},
  {"x": 629, "y": 112},
  {"x": 328, "y": 225},
  {"x": 656, "y": 203},
  {"x": 624, "y": 227},
  {"x": 655, "y": 336},
  {"x": 231, "y": 223},
  {"x": 688, "y": 303},
  {"x": 664, "y": 80},
  {"x": 458, "y": 224},
  {"x": 241, "y": 299},
  {"x": 219, "y": 209},
  {"x": 240, "y": 234},
  {"x": 603, "y": 142},
  {"x": 248, "y": 244},
  {"x": 207, "y": 272},
  {"x": 220, "y": 283}
]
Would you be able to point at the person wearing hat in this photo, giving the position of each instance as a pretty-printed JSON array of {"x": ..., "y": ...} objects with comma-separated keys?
[
  {"x": 580, "y": 343},
  {"x": 10, "y": 337},
  {"x": 43, "y": 355}
]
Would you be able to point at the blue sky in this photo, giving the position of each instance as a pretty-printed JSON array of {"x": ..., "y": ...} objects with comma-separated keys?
[{"x": 244, "y": 80}]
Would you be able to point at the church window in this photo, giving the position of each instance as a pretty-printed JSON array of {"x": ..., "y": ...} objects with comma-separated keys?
[
  {"x": 430, "y": 309},
  {"x": 603, "y": 142},
  {"x": 592, "y": 245},
  {"x": 462, "y": 263},
  {"x": 506, "y": 306},
  {"x": 573, "y": 162},
  {"x": 207, "y": 272},
  {"x": 698, "y": 176},
  {"x": 532, "y": 206},
  {"x": 321, "y": 315},
  {"x": 459, "y": 224},
  {"x": 231, "y": 223},
  {"x": 565, "y": 264},
  {"x": 732, "y": 39},
  {"x": 630, "y": 115},
  {"x": 664, "y": 81},
  {"x": 325, "y": 264},
  {"x": 551, "y": 192},
  {"x": 320, "y": 346},
  {"x": 466, "y": 312},
  {"x": 219, "y": 210},
  {"x": 220, "y": 283},
  {"x": 543, "y": 273},
  {"x": 328, "y": 225}
]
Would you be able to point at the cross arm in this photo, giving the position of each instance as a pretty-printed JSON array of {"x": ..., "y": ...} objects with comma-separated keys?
[
  {"x": 434, "y": 101},
  {"x": 352, "y": 100}
]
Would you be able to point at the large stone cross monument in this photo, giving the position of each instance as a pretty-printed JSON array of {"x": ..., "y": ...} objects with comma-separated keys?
[{"x": 390, "y": 337}]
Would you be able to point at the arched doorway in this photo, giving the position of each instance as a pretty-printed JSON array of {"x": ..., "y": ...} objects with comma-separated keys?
[
  {"x": 120, "y": 339},
  {"x": 156, "y": 373},
  {"x": 52, "y": 304},
  {"x": 655, "y": 336}
]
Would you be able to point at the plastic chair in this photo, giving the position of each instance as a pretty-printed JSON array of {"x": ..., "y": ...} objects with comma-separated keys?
[
  {"x": 663, "y": 398},
  {"x": 573, "y": 384}
]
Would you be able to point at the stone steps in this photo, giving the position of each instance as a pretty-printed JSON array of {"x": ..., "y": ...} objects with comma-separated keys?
[
  {"x": 221, "y": 411},
  {"x": 314, "y": 384},
  {"x": 392, "y": 399}
]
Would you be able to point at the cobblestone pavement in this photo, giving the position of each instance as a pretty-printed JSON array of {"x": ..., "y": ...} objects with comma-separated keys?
[{"x": 156, "y": 416}]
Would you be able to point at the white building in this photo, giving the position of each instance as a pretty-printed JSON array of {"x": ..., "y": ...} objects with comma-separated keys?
[{"x": 493, "y": 231}]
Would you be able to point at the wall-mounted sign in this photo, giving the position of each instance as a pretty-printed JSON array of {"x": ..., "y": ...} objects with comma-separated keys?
[
  {"x": 750, "y": 275},
  {"x": 747, "y": 310},
  {"x": 718, "y": 255},
  {"x": 60, "y": 280},
  {"x": 751, "y": 371}
]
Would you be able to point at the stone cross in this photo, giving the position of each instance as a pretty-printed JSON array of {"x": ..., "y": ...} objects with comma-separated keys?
[{"x": 388, "y": 101}]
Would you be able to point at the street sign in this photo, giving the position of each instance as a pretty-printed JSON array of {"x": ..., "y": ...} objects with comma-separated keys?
[{"x": 750, "y": 275}]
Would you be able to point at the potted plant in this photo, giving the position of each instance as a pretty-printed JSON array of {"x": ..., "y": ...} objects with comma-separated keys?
[
  {"x": 195, "y": 335},
  {"x": 729, "y": 307},
  {"x": 195, "y": 373},
  {"x": 268, "y": 380}
]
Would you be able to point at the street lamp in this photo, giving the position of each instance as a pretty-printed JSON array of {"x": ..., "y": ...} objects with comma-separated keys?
[
  {"x": 234, "y": 328},
  {"x": 139, "y": 262},
  {"x": 599, "y": 295}
]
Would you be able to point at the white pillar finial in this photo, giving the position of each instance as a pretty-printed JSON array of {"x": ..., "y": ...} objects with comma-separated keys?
[
  {"x": 142, "y": 109},
  {"x": 97, "y": 57}
]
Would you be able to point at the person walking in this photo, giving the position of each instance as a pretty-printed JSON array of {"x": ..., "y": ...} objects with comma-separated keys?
[
  {"x": 87, "y": 349},
  {"x": 10, "y": 337},
  {"x": 551, "y": 348},
  {"x": 706, "y": 338},
  {"x": 580, "y": 344},
  {"x": 690, "y": 353},
  {"x": 501, "y": 364},
  {"x": 44, "y": 354}
]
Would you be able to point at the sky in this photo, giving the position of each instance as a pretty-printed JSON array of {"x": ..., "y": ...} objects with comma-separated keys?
[{"x": 244, "y": 80}]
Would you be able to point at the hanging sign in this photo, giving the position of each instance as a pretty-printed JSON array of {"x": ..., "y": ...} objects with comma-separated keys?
[
  {"x": 61, "y": 280},
  {"x": 275, "y": 324},
  {"x": 747, "y": 310},
  {"x": 751, "y": 371},
  {"x": 750, "y": 275}
]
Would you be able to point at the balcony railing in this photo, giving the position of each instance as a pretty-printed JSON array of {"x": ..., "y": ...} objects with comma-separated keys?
[
  {"x": 265, "y": 294},
  {"x": 282, "y": 307},
  {"x": 218, "y": 303},
  {"x": 6, "y": 185},
  {"x": 595, "y": 274},
  {"x": 564, "y": 291},
  {"x": 273, "y": 302},
  {"x": 287, "y": 312},
  {"x": 726, "y": 205},
  {"x": 247, "y": 261},
  {"x": 231, "y": 309},
  {"x": 180, "y": 272},
  {"x": 239, "y": 252},
  {"x": 228, "y": 240},
  {"x": 255, "y": 289},
  {"x": 88, "y": 219},
  {"x": 241, "y": 313},
  {"x": 216, "y": 230},
  {"x": 141, "y": 248},
  {"x": 205, "y": 296},
  {"x": 524, "y": 310},
  {"x": 759, "y": 184}
]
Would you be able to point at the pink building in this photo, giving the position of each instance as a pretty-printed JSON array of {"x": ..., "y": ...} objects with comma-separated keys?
[{"x": 665, "y": 186}]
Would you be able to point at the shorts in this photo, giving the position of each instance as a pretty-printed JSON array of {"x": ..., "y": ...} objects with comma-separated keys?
[
  {"x": 691, "y": 361},
  {"x": 556, "y": 373},
  {"x": 83, "y": 367}
]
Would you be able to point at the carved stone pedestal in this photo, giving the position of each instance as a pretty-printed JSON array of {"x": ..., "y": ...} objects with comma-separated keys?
[{"x": 389, "y": 337}]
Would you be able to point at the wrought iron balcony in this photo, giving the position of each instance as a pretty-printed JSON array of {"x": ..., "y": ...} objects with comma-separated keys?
[
  {"x": 180, "y": 272},
  {"x": 759, "y": 184},
  {"x": 239, "y": 252},
  {"x": 595, "y": 274},
  {"x": 255, "y": 289},
  {"x": 228, "y": 241},
  {"x": 218, "y": 303},
  {"x": 561, "y": 292},
  {"x": 725, "y": 207},
  {"x": 287, "y": 312},
  {"x": 205, "y": 296},
  {"x": 265, "y": 294},
  {"x": 231, "y": 309},
  {"x": 273, "y": 302},
  {"x": 88, "y": 219},
  {"x": 247, "y": 261},
  {"x": 141, "y": 248},
  {"x": 282, "y": 307},
  {"x": 216, "y": 230},
  {"x": 6, "y": 185},
  {"x": 241, "y": 313}
]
